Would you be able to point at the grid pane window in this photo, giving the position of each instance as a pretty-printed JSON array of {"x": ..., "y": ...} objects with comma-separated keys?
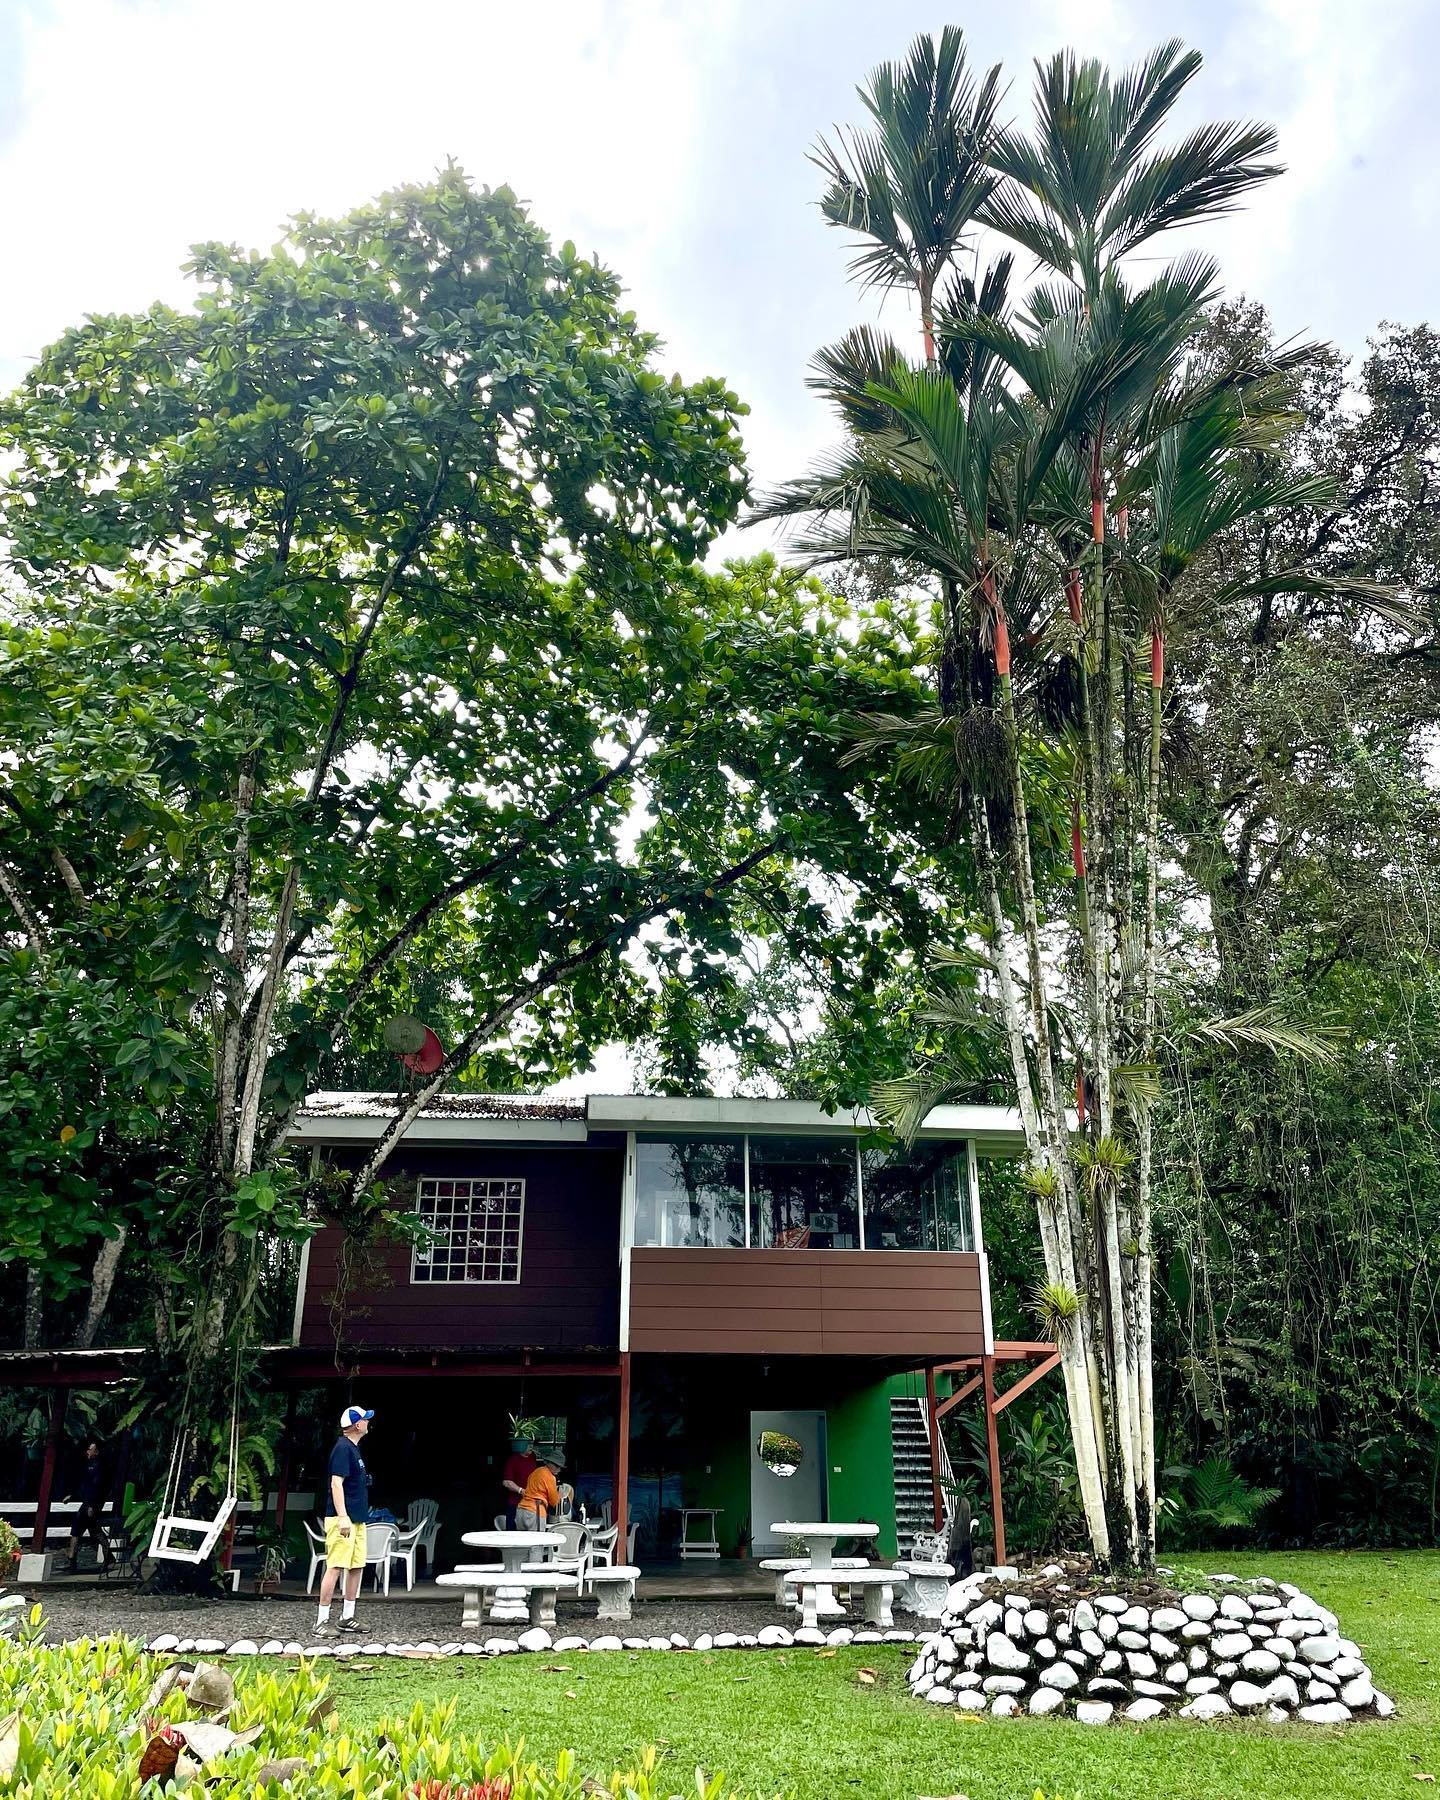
[{"x": 475, "y": 1228}]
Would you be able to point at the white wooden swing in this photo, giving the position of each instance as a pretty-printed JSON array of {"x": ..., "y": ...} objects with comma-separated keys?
[{"x": 171, "y": 1521}]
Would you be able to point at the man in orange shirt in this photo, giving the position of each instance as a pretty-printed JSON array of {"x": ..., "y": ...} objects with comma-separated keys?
[{"x": 541, "y": 1496}]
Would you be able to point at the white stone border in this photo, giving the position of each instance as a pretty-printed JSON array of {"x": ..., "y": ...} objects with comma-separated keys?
[{"x": 770, "y": 1637}]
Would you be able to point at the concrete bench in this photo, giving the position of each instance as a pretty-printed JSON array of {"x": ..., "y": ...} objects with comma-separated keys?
[
  {"x": 877, "y": 1585},
  {"x": 781, "y": 1566},
  {"x": 614, "y": 1587},
  {"x": 538, "y": 1587},
  {"x": 925, "y": 1588}
]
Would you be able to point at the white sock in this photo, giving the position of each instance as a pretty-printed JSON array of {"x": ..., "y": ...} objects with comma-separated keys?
[
  {"x": 347, "y": 1609},
  {"x": 324, "y": 1618}
]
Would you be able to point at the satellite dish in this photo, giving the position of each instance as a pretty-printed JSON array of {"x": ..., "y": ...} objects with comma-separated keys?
[
  {"x": 428, "y": 1058},
  {"x": 405, "y": 1035}
]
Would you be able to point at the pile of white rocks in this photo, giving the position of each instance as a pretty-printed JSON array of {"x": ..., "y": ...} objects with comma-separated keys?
[{"x": 1051, "y": 1646}]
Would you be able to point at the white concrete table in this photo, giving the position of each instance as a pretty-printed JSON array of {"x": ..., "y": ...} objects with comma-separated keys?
[
  {"x": 516, "y": 1549},
  {"x": 820, "y": 1541}
]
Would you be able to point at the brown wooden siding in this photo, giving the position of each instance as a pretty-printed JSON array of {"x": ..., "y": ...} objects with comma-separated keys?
[
  {"x": 568, "y": 1295},
  {"x": 807, "y": 1302}
]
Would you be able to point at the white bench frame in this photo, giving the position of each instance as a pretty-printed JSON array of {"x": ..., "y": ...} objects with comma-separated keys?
[
  {"x": 539, "y": 1588},
  {"x": 614, "y": 1588},
  {"x": 878, "y": 1586},
  {"x": 925, "y": 1588},
  {"x": 781, "y": 1566}
]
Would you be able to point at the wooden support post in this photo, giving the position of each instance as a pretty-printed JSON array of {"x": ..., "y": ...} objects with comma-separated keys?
[
  {"x": 992, "y": 1456},
  {"x": 282, "y": 1490},
  {"x": 932, "y": 1430},
  {"x": 59, "y": 1401},
  {"x": 622, "y": 1462}
]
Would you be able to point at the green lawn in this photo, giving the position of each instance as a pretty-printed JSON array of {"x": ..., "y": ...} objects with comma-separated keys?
[{"x": 802, "y": 1723}]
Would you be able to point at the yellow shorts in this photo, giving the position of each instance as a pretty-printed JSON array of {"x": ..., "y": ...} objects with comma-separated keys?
[{"x": 344, "y": 1552}]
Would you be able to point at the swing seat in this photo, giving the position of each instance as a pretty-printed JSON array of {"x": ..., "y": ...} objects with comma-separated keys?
[{"x": 162, "y": 1549}]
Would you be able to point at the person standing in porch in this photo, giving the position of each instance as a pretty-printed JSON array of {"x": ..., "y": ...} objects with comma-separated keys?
[
  {"x": 541, "y": 1497},
  {"x": 519, "y": 1467},
  {"x": 92, "y": 1504},
  {"x": 347, "y": 1507}
]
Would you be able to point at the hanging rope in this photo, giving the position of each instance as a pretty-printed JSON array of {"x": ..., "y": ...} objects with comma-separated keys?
[{"x": 171, "y": 1521}]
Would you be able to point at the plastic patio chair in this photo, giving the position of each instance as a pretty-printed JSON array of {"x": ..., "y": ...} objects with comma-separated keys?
[
  {"x": 317, "y": 1553},
  {"x": 426, "y": 1513},
  {"x": 573, "y": 1556},
  {"x": 630, "y": 1537},
  {"x": 403, "y": 1551},
  {"x": 502, "y": 1522},
  {"x": 601, "y": 1548},
  {"x": 379, "y": 1542}
]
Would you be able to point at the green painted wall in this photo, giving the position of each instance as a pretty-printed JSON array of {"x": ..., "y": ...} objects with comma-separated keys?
[
  {"x": 862, "y": 1468},
  {"x": 714, "y": 1455}
]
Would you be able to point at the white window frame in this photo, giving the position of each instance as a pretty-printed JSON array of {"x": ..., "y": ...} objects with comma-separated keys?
[{"x": 472, "y": 1182}]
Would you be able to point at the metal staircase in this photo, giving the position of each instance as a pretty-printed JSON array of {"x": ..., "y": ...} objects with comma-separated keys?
[{"x": 910, "y": 1449}]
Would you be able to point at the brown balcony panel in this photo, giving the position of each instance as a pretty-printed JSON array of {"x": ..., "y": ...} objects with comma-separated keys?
[{"x": 806, "y": 1302}]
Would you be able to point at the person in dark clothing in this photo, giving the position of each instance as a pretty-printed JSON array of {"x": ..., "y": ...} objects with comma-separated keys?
[
  {"x": 347, "y": 1507},
  {"x": 519, "y": 1467},
  {"x": 91, "y": 1496}
]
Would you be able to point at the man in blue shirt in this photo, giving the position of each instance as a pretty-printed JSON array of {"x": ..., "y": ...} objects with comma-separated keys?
[{"x": 347, "y": 1507}]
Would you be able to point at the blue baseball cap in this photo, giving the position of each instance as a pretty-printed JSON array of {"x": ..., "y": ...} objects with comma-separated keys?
[{"x": 352, "y": 1415}]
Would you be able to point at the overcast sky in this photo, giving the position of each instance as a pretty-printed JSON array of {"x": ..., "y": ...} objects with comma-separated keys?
[{"x": 669, "y": 139}]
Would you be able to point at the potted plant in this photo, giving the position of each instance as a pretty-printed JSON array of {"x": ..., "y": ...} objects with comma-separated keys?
[
  {"x": 742, "y": 1540},
  {"x": 9, "y": 1550},
  {"x": 270, "y": 1565}
]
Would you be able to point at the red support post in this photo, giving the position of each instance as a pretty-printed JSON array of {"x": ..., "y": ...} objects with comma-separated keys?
[
  {"x": 47, "y": 1468},
  {"x": 932, "y": 1422},
  {"x": 992, "y": 1456},
  {"x": 622, "y": 1461}
]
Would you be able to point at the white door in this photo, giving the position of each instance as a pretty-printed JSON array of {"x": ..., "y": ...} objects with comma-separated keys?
[{"x": 787, "y": 1474}]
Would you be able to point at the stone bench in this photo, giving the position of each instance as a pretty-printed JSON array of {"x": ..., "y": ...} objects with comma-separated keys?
[
  {"x": 781, "y": 1566},
  {"x": 925, "y": 1589},
  {"x": 614, "y": 1586},
  {"x": 538, "y": 1586},
  {"x": 878, "y": 1586}
]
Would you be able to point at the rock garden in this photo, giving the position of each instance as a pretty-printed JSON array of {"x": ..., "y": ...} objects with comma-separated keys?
[{"x": 1061, "y": 1643}]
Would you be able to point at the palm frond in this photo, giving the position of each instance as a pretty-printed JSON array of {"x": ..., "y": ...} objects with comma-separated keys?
[{"x": 1266, "y": 1027}]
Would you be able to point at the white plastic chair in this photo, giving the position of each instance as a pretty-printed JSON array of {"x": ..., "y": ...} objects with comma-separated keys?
[
  {"x": 379, "y": 1540},
  {"x": 600, "y": 1550},
  {"x": 403, "y": 1551},
  {"x": 502, "y": 1521},
  {"x": 630, "y": 1537},
  {"x": 573, "y": 1556},
  {"x": 427, "y": 1514},
  {"x": 317, "y": 1553},
  {"x": 567, "y": 1500},
  {"x": 607, "y": 1512}
]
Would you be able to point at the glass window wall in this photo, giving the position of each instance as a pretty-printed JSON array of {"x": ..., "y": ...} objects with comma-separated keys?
[
  {"x": 690, "y": 1192},
  {"x": 808, "y": 1193},
  {"x": 803, "y": 1194},
  {"x": 917, "y": 1199}
]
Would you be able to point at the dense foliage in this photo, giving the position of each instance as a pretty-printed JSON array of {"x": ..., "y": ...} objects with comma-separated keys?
[{"x": 82, "y": 1720}]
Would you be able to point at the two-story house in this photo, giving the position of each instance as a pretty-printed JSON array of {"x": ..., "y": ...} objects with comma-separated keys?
[{"x": 733, "y": 1304}]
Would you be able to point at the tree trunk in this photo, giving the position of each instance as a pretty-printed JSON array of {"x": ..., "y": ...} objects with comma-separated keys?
[
  {"x": 102, "y": 1280},
  {"x": 34, "y": 1310}
]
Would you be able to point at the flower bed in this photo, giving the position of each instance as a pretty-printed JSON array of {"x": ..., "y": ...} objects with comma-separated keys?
[{"x": 1061, "y": 1643}]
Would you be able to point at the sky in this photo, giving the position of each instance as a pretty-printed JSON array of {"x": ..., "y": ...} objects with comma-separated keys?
[{"x": 669, "y": 140}]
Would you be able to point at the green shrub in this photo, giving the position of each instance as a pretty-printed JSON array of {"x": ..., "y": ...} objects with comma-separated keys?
[
  {"x": 9, "y": 1549},
  {"x": 76, "y": 1721}
]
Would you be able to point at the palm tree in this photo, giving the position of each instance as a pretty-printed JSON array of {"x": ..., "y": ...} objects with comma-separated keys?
[
  {"x": 976, "y": 470},
  {"x": 914, "y": 184}
]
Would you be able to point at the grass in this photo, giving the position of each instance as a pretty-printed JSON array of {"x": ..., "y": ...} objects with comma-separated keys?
[{"x": 803, "y": 1723}]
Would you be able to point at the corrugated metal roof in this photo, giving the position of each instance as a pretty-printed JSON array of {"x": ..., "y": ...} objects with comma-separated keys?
[{"x": 362, "y": 1105}]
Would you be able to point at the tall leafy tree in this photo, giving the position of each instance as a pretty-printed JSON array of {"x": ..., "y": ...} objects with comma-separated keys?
[{"x": 357, "y": 624}]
